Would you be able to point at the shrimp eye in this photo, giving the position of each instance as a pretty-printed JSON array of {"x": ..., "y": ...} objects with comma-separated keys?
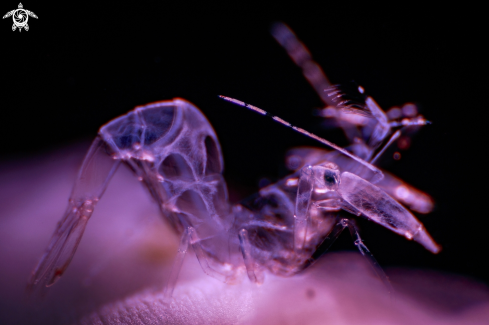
[{"x": 329, "y": 179}]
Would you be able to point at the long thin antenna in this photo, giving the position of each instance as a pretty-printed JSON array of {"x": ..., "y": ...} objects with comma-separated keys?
[{"x": 374, "y": 169}]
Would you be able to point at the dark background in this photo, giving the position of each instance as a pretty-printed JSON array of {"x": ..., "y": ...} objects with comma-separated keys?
[{"x": 81, "y": 65}]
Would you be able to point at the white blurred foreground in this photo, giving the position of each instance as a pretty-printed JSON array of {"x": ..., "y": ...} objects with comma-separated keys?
[{"x": 123, "y": 260}]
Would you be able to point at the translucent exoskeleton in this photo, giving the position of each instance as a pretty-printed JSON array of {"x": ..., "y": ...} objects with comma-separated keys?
[
  {"x": 369, "y": 129},
  {"x": 291, "y": 223},
  {"x": 173, "y": 150},
  {"x": 348, "y": 107},
  {"x": 327, "y": 182}
]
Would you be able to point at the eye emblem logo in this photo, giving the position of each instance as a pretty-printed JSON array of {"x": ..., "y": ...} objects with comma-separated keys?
[{"x": 20, "y": 17}]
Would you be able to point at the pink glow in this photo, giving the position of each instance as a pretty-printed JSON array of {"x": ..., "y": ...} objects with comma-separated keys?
[{"x": 124, "y": 259}]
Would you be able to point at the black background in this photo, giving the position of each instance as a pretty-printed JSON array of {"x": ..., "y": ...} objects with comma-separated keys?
[{"x": 81, "y": 65}]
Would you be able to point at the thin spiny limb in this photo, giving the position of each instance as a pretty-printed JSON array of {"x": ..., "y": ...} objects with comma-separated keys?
[
  {"x": 177, "y": 265},
  {"x": 374, "y": 169},
  {"x": 95, "y": 173},
  {"x": 335, "y": 233},
  {"x": 202, "y": 257},
  {"x": 394, "y": 137},
  {"x": 326, "y": 244},
  {"x": 348, "y": 100},
  {"x": 301, "y": 56},
  {"x": 366, "y": 253},
  {"x": 246, "y": 251}
]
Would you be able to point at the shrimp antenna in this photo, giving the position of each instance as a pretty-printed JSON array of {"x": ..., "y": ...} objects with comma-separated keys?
[{"x": 377, "y": 172}]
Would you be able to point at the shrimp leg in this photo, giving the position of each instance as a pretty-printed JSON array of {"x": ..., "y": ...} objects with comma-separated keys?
[
  {"x": 302, "y": 58},
  {"x": 326, "y": 244},
  {"x": 340, "y": 225},
  {"x": 93, "y": 177},
  {"x": 177, "y": 265},
  {"x": 202, "y": 257},
  {"x": 302, "y": 203},
  {"x": 246, "y": 251},
  {"x": 351, "y": 224}
]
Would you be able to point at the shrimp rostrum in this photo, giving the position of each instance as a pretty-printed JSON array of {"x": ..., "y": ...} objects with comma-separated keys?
[{"x": 171, "y": 147}]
